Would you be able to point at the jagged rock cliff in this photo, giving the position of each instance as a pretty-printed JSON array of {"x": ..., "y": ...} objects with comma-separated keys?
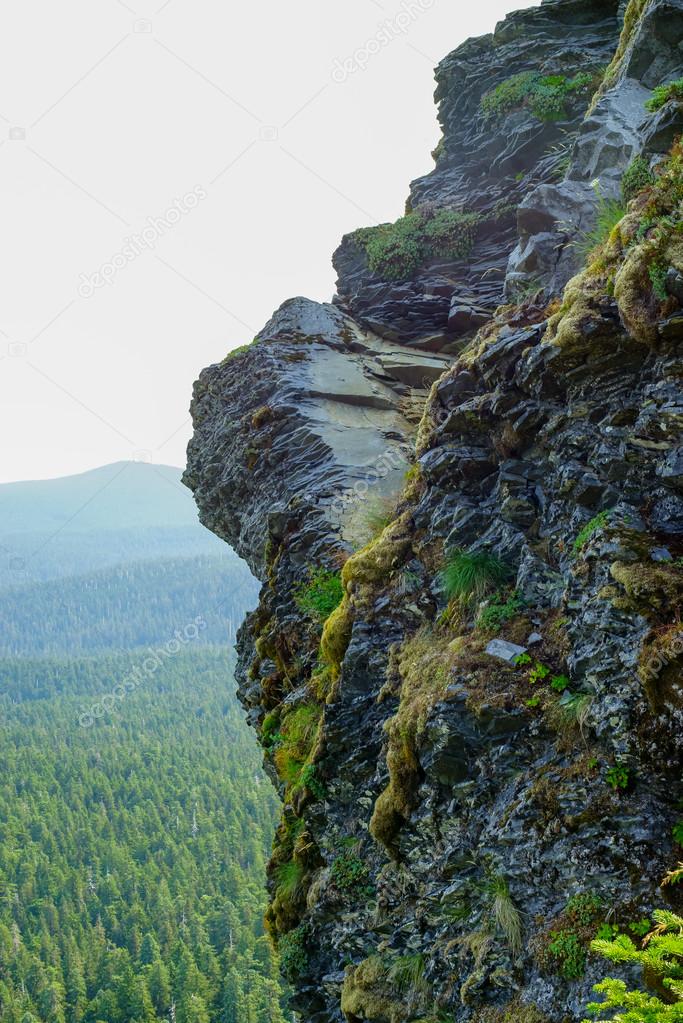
[{"x": 466, "y": 667}]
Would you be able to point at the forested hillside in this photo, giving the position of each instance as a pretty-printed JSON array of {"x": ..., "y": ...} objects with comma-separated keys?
[
  {"x": 137, "y": 604},
  {"x": 135, "y": 818},
  {"x": 132, "y": 853}
]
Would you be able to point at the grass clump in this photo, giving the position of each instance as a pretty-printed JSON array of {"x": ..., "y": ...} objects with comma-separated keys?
[
  {"x": 396, "y": 251},
  {"x": 470, "y": 575},
  {"x": 609, "y": 212},
  {"x": 406, "y": 973},
  {"x": 505, "y": 914},
  {"x": 295, "y": 741},
  {"x": 663, "y": 93},
  {"x": 661, "y": 958},
  {"x": 637, "y": 176},
  {"x": 321, "y": 595}
]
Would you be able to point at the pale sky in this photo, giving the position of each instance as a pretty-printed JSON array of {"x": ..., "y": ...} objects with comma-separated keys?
[{"x": 110, "y": 112}]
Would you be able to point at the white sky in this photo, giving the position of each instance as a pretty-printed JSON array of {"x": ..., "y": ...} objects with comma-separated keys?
[{"x": 110, "y": 110}]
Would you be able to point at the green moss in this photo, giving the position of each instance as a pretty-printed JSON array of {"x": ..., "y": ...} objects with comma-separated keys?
[
  {"x": 632, "y": 16},
  {"x": 570, "y": 954},
  {"x": 657, "y": 274},
  {"x": 348, "y": 872},
  {"x": 424, "y": 663},
  {"x": 472, "y": 574},
  {"x": 396, "y": 251},
  {"x": 295, "y": 741},
  {"x": 335, "y": 640},
  {"x": 385, "y": 990},
  {"x": 663, "y": 93},
  {"x": 320, "y": 595},
  {"x": 637, "y": 176}
]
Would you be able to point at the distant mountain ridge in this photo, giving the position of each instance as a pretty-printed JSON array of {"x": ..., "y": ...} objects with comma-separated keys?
[{"x": 123, "y": 495}]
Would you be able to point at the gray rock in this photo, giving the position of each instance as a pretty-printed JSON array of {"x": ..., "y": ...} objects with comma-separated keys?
[{"x": 505, "y": 651}]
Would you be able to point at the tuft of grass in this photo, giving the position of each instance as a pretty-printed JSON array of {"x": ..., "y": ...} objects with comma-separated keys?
[
  {"x": 505, "y": 913},
  {"x": 407, "y": 973},
  {"x": 470, "y": 575},
  {"x": 321, "y": 595},
  {"x": 663, "y": 93},
  {"x": 289, "y": 878},
  {"x": 545, "y": 95},
  {"x": 609, "y": 213}
]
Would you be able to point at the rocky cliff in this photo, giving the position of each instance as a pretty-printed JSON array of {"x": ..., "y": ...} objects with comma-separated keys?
[{"x": 461, "y": 485}]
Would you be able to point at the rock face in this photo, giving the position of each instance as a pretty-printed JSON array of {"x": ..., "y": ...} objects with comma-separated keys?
[
  {"x": 486, "y": 164},
  {"x": 466, "y": 668}
]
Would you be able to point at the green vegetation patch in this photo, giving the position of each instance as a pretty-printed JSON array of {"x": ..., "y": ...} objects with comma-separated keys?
[
  {"x": 637, "y": 176},
  {"x": 473, "y": 574},
  {"x": 596, "y": 525},
  {"x": 545, "y": 95},
  {"x": 321, "y": 595},
  {"x": 293, "y": 954},
  {"x": 663, "y": 93},
  {"x": 396, "y": 251},
  {"x": 661, "y": 959}
]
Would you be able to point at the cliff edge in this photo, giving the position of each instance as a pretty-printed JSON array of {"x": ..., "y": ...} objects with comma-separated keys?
[{"x": 461, "y": 485}]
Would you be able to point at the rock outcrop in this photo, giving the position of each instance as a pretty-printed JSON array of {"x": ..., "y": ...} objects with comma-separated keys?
[{"x": 466, "y": 667}]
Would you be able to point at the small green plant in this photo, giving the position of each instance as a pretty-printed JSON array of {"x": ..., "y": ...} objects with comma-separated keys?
[
  {"x": 637, "y": 176},
  {"x": 348, "y": 872},
  {"x": 522, "y": 660},
  {"x": 566, "y": 948},
  {"x": 607, "y": 932},
  {"x": 289, "y": 877},
  {"x": 663, "y": 93},
  {"x": 472, "y": 574},
  {"x": 538, "y": 673},
  {"x": 584, "y": 908},
  {"x": 640, "y": 927},
  {"x": 661, "y": 958},
  {"x": 618, "y": 777},
  {"x": 534, "y": 701},
  {"x": 321, "y": 595},
  {"x": 657, "y": 274},
  {"x": 499, "y": 611},
  {"x": 559, "y": 683},
  {"x": 596, "y": 525},
  {"x": 293, "y": 954},
  {"x": 677, "y": 832}
]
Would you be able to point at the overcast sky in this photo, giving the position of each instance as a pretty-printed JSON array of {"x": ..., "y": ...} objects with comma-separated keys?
[{"x": 279, "y": 126}]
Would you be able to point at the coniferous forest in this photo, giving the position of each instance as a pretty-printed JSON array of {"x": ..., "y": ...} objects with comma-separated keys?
[{"x": 134, "y": 830}]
